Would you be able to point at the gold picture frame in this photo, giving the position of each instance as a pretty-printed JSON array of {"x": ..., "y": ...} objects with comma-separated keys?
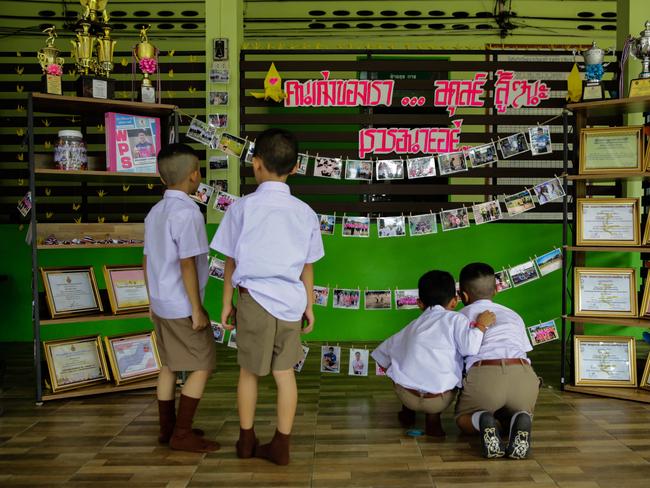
[
  {"x": 646, "y": 232},
  {"x": 75, "y": 363},
  {"x": 607, "y": 222},
  {"x": 646, "y": 160},
  {"x": 71, "y": 291},
  {"x": 611, "y": 149},
  {"x": 605, "y": 292},
  {"x": 133, "y": 357},
  {"x": 127, "y": 288},
  {"x": 645, "y": 378},
  {"x": 605, "y": 361}
]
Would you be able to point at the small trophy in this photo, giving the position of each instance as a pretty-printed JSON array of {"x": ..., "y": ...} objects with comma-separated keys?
[
  {"x": 640, "y": 49},
  {"x": 105, "y": 50},
  {"x": 592, "y": 88},
  {"x": 146, "y": 54},
  {"x": 51, "y": 64}
]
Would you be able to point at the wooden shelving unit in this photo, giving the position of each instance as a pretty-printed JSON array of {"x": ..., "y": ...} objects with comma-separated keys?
[
  {"x": 602, "y": 112},
  {"x": 90, "y": 111}
]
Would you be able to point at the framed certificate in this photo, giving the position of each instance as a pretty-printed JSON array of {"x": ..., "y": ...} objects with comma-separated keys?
[
  {"x": 127, "y": 288},
  {"x": 644, "y": 310},
  {"x": 71, "y": 291},
  {"x": 605, "y": 361},
  {"x": 645, "y": 379},
  {"x": 603, "y": 150},
  {"x": 607, "y": 222},
  {"x": 74, "y": 363},
  {"x": 605, "y": 292},
  {"x": 133, "y": 357}
]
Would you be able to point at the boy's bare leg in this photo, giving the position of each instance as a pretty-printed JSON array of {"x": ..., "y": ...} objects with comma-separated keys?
[
  {"x": 166, "y": 384},
  {"x": 195, "y": 383},
  {"x": 246, "y": 398}
]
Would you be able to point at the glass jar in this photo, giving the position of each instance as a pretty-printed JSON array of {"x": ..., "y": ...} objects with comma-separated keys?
[{"x": 70, "y": 151}]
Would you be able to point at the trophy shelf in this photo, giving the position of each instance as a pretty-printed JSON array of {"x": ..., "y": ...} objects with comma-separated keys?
[
  {"x": 608, "y": 248},
  {"x": 86, "y": 105},
  {"x": 612, "y": 321},
  {"x": 106, "y": 315},
  {"x": 120, "y": 231},
  {"x": 100, "y": 389},
  {"x": 632, "y": 394},
  {"x": 90, "y": 176},
  {"x": 610, "y": 107}
]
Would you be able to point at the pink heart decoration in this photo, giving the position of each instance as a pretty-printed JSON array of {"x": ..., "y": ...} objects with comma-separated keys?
[{"x": 273, "y": 81}]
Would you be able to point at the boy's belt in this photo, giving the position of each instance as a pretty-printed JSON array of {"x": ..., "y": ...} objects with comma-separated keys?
[
  {"x": 423, "y": 394},
  {"x": 243, "y": 290},
  {"x": 499, "y": 362}
]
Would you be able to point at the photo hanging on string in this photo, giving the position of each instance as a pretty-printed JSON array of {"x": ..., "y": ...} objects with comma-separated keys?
[
  {"x": 482, "y": 155},
  {"x": 377, "y": 300},
  {"x": 457, "y": 218},
  {"x": 540, "y": 140},
  {"x": 548, "y": 191},
  {"x": 486, "y": 212},
  {"x": 346, "y": 298},
  {"x": 449, "y": 163},
  {"x": 358, "y": 365},
  {"x": 303, "y": 163},
  {"x": 391, "y": 226},
  {"x": 518, "y": 203},
  {"x": 420, "y": 225},
  {"x": 358, "y": 169},
  {"x": 200, "y": 131},
  {"x": 330, "y": 359},
  {"x": 406, "y": 299},
  {"x": 327, "y": 223},
  {"x": 523, "y": 273},
  {"x": 503, "y": 281},
  {"x": 356, "y": 226},
  {"x": 328, "y": 167},
  {"x": 300, "y": 364},
  {"x": 423, "y": 167},
  {"x": 321, "y": 295},
  {"x": 390, "y": 169}
]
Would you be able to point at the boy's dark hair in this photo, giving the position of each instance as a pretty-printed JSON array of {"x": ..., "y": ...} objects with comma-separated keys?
[
  {"x": 436, "y": 288},
  {"x": 278, "y": 150},
  {"x": 175, "y": 162},
  {"x": 478, "y": 281}
]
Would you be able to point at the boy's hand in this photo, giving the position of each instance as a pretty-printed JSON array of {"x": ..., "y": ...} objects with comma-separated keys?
[
  {"x": 229, "y": 316},
  {"x": 485, "y": 320},
  {"x": 309, "y": 318},
  {"x": 200, "y": 319}
]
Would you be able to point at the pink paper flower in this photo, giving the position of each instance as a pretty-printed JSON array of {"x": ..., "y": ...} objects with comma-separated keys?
[
  {"x": 54, "y": 70},
  {"x": 148, "y": 65}
]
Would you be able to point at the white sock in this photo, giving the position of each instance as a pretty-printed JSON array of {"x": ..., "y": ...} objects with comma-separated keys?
[
  {"x": 514, "y": 417},
  {"x": 475, "y": 418}
]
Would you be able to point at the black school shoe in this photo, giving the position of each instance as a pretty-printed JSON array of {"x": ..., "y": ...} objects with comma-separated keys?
[
  {"x": 490, "y": 436},
  {"x": 519, "y": 441}
]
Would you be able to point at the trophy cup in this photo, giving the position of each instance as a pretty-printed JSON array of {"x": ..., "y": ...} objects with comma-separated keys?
[
  {"x": 105, "y": 50},
  {"x": 146, "y": 54},
  {"x": 51, "y": 64},
  {"x": 640, "y": 49},
  {"x": 592, "y": 88}
]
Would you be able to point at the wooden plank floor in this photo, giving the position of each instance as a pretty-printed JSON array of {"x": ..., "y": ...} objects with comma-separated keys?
[{"x": 346, "y": 435}]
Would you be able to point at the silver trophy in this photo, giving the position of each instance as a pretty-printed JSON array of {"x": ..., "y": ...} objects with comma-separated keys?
[
  {"x": 592, "y": 88},
  {"x": 640, "y": 49}
]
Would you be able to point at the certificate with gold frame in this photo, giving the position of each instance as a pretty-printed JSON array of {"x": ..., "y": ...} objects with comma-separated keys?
[
  {"x": 611, "y": 149},
  {"x": 133, "y": 357},
  {"x": 646, "y": 232},
  {"x": 645, "y": 379},
  {"x": 127, "y": 288},
  {"x": 605, "y": 361},
  {"x": 605, "y": 292},
  {"x": 75, "y": 363},
  {"x": 607, "y": 222},
  {"x": 644, "y": 309},
  {"x": 71, "y": 291}
]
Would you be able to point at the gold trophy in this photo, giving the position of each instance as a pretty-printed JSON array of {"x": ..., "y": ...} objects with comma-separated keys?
[
  {"x": 146, "y": 55},
  {"x": 51, "y": 63},
  {"x": 91, "y": 7},
  {"x": 105, "y": 50}
]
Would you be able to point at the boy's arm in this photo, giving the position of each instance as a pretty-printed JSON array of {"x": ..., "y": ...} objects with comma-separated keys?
[
  {"x": 307, "y": 278},
  {"x": 469, "y": 336},
  {"x": 200, "y": 319},
  {"x": 228, "y": 310}
]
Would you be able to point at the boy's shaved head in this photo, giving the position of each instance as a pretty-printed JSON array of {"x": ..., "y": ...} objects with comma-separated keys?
[
  {"x": 176, "y": 162},
  {"x": 478, "y": 281}
]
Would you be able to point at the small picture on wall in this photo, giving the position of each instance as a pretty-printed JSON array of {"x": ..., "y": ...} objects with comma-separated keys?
[
  {"x": 300, "y": 364},
  {"x": 519, "y": 202},
  {"x": 486, "y": 212},
  {"x": 321, "y": 295},
  {"x": 218, "y": 120},
  {"x": 377, "y": 300},
  {"x": 391, "y": 226},
  {"x": 303, "y": 163},
  {"x": 220, "y": 49},
  {"x": 223, "y": 201},
  {"x": 330, "y": 359},
  {"x": 218, "y": 162},
  {"x": 200, "y": 131},
  {"x": 390, "y": 169},
  {"x": 544, "y": 332},
  {"x": 548, "y": 191},
  {"x": 540, "y": 140},
  {"x": 457, "y": 218},
  {"x": 232, "y": 340},
  {"x": 248, "y": 153},
  {"x": 523, "y": 273},
  {"x": 218, "y": 332},
  {"x": 358, "y": 365},
  {"x": 421, "y": 167},
  {"x": 356, "y": 226},
  {"x": 449, "y": 163},
  {"x": 356, "y": 169},
  {"x": 328, "y": 167},
  {"x": 231, "y": 144},
  {"x": 502, "y": 280},
  {"x": 549, "y": 262},
  {"x": 513, "y": 145},
  {"x": 482, "y": 155},
  {"x": 216, "y": 268},
  {"x": 219, "y": 75},
  {"x": 203, "y": 194},
  {"x": 219, "y": 185},
  {"x": 218, "y": 98},
  {"x": 420, "y": 225},
  {"x": 406, "y": 299},
  {"x": 327, "y": 223},
  {"x": 346, "y": 298}
]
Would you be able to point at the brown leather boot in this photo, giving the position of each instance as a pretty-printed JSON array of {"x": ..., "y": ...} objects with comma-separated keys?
[
  {"x": 433, "y": 425},
  {"x": 406, "y": 417},
  {"x": 183, "y": 439},
  {"x": 276, "y": 451},
  {"x": 167, "y": 420},
  {"x": 247, "y": 443}
]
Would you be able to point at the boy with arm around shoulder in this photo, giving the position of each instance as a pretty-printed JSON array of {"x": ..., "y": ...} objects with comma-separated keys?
[
  {"x": 270, "y": 240},
  {"x": 176, "y": 272}
]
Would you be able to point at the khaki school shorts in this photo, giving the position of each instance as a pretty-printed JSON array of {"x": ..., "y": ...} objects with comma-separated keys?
[
  {"x": 182, "y": 348},
  {"x": 265, "y": 343},
  {"x": 492, "y": 387},
  {"x": 426, "y": 405}
]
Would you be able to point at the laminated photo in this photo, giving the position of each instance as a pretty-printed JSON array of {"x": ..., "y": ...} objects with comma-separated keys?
[
  {"x": 449, "y": 163},
  {"x": 25, "y": 204},
  {"x": 216, "y": 268},
  {"x": 486, "y": 212},
  {"x": 420, "y": 225},
  {"x": 218, "y": 332},
  {"x": 523, "y": 273},
  {"x": 299, "y": 365},
  {"x": 203, "y": 194},
  {"x": 379, "y": 371},
  {"x": 540, "y": 140},
  {"x": 219, "y": 75},
  {"x": 219, "y": 185},
  {"x": 391, "y": 226},
  {"x": 248, "y": 154},
  {"x": 356, "y": 226},
  {"x": 321, "y": 295},
  {"x": 457, "y": 218},
  {"x": 549, "y": 262},
  {"x": 223, "y": 201},
  {"x": 220, "y": 121},
  {"x": 513, "y": 145},
  {"x": 219, "y": 98},
  {"x": 390, "y": 169},
  {"x": 548, "y": 191},
  {"x": 406, "y": 299},
  {"x": 502, "y": 279},
  {"x": 358, "y": 365},
  {"x": 327, "y": 223},
  {"x": 218, "y": 162},
  {"x": 328, "y": 167},
  {"x": 231, "y": 144},
  {"x": 346, "y": 298},
  {"x": 544, "y": 332},
  {"x": 482, "y": 155},
  {"x": 303, "y": 163},
  {"x": 330, "y": 359},
  {"x": 358, "y": 169},
  {"x": 519, "y": 202},
  {"x": 377, "y": 299},
  {"x": 424, "y": 167},
  {"x": 200, "y": 131},
  {"x": 232, "y": 340}
]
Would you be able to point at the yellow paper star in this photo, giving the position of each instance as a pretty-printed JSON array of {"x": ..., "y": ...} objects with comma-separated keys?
[
  {"x": 125, "y": 218},
  {"x": 124, "y": 62},
  {"x": 101, "y": 193},
  {"x": 126, "y": 187},
  {"x": 48, "y": 215},
  {"x": 171, "y": 53},
  {"x": 20, "y": 156},
  {"x": 48, "y": 191},
  {"x": 77, "y": 220},
  {"x": 20, "y": 88},
  {"x": 47, "y": 145},
  {"x": 20, "y": 108},
  {"x": 150, "y": 186},
  {"x": 100, "y": 128},
  {"x": 46, "y": 122},
  {"x": 20, "y": 69},
  {"x": 101, "y": 219},
  {"x": 20, "y": 131},
  {"x": 21, "y": 181},
  {"x": 574, "y": 85},
  {"x": 76, "y": 206},
  {"x": 272, "y": 86},
  {"x": 171, "y": 73}
]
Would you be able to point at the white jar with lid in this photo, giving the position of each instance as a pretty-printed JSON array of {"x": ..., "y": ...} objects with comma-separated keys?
[{"x": 70, "y": 151}]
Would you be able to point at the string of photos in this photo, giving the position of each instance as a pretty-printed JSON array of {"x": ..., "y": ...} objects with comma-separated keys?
[
  {"x": 358, "y": 364},
  {"x": 389, "y": 299}
]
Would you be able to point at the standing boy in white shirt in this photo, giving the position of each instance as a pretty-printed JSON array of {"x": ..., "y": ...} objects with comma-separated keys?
[
  {"x": 425, "y": 359},
  {"x": 270, "y": 240},
  {"x": 176, "y": 271},
  {"x": 499, "y": 375}
]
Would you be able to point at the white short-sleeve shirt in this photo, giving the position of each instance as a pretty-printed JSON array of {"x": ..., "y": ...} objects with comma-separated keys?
[
  {"x": 271, "y": 235},
  {"x": 427, "y": 355},
  {"x": 174, "y": 229},
  {"x": 507, "y": 338}
]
